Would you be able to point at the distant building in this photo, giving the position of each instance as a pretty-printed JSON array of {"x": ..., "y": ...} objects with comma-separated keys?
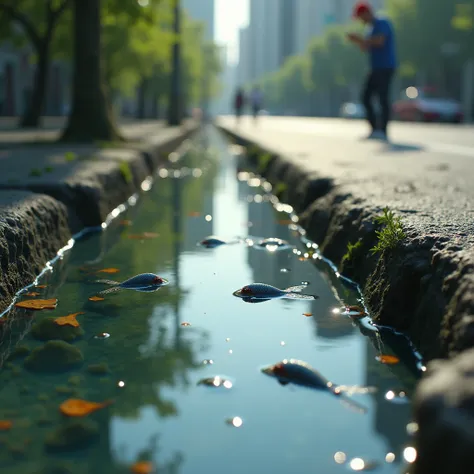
[
  {"x": 244, "y": 66},
  {"x": 281, "y": 28},
  {"x": 287, "y": 30},
  {"x": 202, "y": 10}
]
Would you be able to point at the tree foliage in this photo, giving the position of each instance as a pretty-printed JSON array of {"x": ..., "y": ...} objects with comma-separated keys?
[
  {"x": 426, "y": 31},
  {"x": 136, "y": 44}
]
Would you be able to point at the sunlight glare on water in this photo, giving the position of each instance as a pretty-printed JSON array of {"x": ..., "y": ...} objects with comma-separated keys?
[{"x": 148, "y": 351}]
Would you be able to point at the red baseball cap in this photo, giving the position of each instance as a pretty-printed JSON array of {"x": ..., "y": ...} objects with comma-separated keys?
[{"x": 360, "y": 8}]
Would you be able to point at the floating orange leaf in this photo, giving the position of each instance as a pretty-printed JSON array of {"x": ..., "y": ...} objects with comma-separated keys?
[
  {"x": 302, "y": 259},
  {"x": 142, "y": 467},
  {"x": 33, "y": 293},
  {"x": 41, "y": 286},
  {"x": 388, "y": 359},
  {"x": 145, "y": 235},
  {"x": 5, "y": 425},
  {"x": 308, "y": 315},
  {"x": 38, "y": 304},
  {"x": 194, "y": 214},
  {"x": 96, "y": 298},
  {"x": 108, "y": 270},
  {"x": 185, "y": 324},
  {"x": 126, "y": 222},
  {"x": 78, "y": 407},
  {"x": 69, "y": 320}
]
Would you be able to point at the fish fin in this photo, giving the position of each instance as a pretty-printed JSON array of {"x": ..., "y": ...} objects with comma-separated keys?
[
  {"x": 353, "y": 405},
  {"x": 355, "y": 389},
  {"x": 297, "y": 296},
  {"x": 109, "y": 290},
  {"x": 108, "y": 282},
  {"x": 296, "y": 288},
  {"x": 283, "y": 382}
]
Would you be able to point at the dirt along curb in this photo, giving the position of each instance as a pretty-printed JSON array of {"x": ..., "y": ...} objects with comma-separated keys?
[
  {"x": 423, "y": 287},
  {"x": 49, "y": 193}
]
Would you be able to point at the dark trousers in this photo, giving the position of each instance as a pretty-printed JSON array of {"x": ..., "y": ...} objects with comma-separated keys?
[{"x": 378, "y": 83}]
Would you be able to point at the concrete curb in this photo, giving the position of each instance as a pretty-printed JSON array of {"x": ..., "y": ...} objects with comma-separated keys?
[
  {"x": 420, "y": 288},
  {"x": 39, "y": 215},
  {"x": 423, "y": 288}
]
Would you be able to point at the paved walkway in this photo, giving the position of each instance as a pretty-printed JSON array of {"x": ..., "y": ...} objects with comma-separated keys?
[
  {"x": 11, "y": 136},
  {"x": 426, "y": 173}
]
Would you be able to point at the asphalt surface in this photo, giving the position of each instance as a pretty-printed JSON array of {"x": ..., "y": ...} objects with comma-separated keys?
[
  {"x": 51, "y": 128},
  {"x": 425, "y": 173}
]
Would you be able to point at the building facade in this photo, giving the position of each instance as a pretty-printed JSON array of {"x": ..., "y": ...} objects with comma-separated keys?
[
  {"x": 243, "y": 68},
  {"x": 202, "y": 10},
  {"x": 281, "y": 28}
]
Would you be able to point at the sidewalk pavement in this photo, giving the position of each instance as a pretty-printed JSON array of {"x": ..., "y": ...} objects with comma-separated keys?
[
  {"x": 429, "y": 183},
  {"x": 10, "y": 135}
]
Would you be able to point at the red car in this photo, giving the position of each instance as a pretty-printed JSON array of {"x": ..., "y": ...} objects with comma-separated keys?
[{"x": 426, "y": 105}]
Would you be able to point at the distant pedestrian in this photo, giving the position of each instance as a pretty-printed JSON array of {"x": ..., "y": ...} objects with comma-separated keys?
[
  {"x": 239, "y": 102},
  {"x": 380, "y": 45},
  {"x": 256, "y": 100}
]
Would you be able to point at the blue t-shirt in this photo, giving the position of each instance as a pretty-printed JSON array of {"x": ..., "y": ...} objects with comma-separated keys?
[{"x": 383, "y": 57}]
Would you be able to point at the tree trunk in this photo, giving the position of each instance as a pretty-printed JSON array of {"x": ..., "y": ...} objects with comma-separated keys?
[
  {"x": 141, "y": 98},
  {"x": 154, "y": 113},
  {"x": 91, "y": 115},
  {"x": 33, "y": 113}
]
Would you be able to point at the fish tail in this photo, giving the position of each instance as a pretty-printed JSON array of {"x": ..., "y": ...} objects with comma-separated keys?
[
  {"x": 296, "y": 288},
  {"x": 109, "y": 290},
  {"x": 108, "y": 282},
  {"x": 351, "y": 389},
  {"x": 298, "y": 296}
]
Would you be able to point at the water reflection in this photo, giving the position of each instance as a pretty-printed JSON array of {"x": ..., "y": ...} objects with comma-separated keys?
[{"x": 154, "y": 362}]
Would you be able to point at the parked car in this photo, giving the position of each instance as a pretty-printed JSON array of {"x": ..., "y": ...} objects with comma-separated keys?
[
  {"x": 352, "y": 110},
  {"x": 426, "y": 105}
]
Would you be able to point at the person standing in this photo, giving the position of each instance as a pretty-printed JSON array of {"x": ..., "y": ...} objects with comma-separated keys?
[
  {"x": 380, "y": 46},
  {"x": 256, "y": 100},
  {"x": 239, "y": 102}
]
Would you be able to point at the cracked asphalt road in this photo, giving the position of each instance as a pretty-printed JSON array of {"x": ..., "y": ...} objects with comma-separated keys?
[{"x": 426, "y": 173}]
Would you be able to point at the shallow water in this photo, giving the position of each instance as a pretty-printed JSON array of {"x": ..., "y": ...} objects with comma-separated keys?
[{"x": 152, "y": 362}]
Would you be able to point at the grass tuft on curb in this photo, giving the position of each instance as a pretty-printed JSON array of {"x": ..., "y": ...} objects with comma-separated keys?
[
  {"x": 126, "y": 172},
  {"x": 390, "y": 236},
  {"x": 352, "y": 250}
]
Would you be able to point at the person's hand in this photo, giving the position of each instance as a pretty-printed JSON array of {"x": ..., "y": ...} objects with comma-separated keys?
[{"x": 354, "y": 37}]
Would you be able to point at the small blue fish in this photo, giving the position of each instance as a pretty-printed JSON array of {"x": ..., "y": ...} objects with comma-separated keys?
[
  {"x": 212, "y": 242},
  {"x": 145, "y": 282},
  {"x": 301, "y": 373},
  {"x": 259, "y": 292}
]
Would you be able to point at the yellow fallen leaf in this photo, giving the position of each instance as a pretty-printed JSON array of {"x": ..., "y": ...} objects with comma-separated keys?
[
  {"x": 142, "y": 467},
  {"x": 96, "y": 298},
  {"x": 37, "y": 304},
  {"x": 108, "y": 270},
  {"x": 69, "y": 320},
  {"x": 145, "y": 235},
  {"x": 5, "y": 425},
  {"x": 388, "y": 359},
  {"x": 33, "y": 293},
  {"x": 78, "y": 407}
]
